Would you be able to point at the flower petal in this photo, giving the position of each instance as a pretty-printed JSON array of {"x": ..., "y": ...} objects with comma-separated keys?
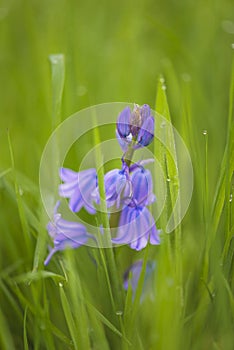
[
  {"x": 146, "y": 133},
  {"x": 79, "y": 188},
  {"x": 123, "y": 120},
  {"x": 65, "y": 234}
]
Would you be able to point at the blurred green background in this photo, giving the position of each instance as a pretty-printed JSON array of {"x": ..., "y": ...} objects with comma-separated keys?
[{"x": 114, "y": 51}]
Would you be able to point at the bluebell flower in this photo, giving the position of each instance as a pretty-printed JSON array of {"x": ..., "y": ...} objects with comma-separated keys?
[
  {"x": 135, "y": 271},
  {"x": 65, "y": 233},
  {"x": 78, "y": 187},
  {"x": 135, "y": 128},
  {"x": 118, "y": 187},
  {"x": 136, "y": 228},
  {"x": 142, "y": 187},
  {"x": 136, "y": 225}
]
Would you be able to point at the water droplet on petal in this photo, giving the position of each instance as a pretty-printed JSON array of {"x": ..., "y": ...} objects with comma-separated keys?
[
  {"x": 129, "y": 137},
  {"x": 204, "y": 132},
  {"x": 119, "y": 312}
]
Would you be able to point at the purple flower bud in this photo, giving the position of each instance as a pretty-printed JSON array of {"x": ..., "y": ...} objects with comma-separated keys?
[
  {"x": 65, "y": 234},
  {"x": 79, "y": 188},
  {"x": 146, "y": 133},
  {"x": 136, "y": 127},
  {"x": 136, "y": 120},
  {"x": 145, "y": 112},
  {"x": 123, "y": 122}
]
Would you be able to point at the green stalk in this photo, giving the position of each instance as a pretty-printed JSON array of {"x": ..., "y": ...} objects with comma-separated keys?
[{"x": 104, "y": 220}]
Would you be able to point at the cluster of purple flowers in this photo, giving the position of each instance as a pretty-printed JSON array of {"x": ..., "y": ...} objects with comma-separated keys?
[{"x": 129, "y": 190}]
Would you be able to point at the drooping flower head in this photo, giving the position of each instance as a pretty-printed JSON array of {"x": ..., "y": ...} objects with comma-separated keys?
[
  {"x": 118, "y": 187},
  {"x": 135, "y": 127},
  {"x": 136, "y": 228},
  {"x": 78, "y": 187},
  {"x": 137, "y": 225},
  {"x": 65, "y": 233}
]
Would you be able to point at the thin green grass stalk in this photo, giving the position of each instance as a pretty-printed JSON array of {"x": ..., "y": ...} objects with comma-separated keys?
[
  {"x": 57, "y": 63},
  {"x": 107, "y": 277},
  {"x": 222, "y": 194},
  {"x": 39, "y": 254},
  {"x": 57, "y": 82},
  {"x": 191, "y": 139},
  {"x": 48, "y": 337},
  {"x": 15, "y": 306},
  {"x": 111, "y": 264},
  {"x": 33, "y": 276},
  {"x": 39, "y": 324},
  {"x": 5, "y": 172},
  {"x": 69, "y": 318},
  {"x": 170, "y": 168},
  {"x": 208, "y": 236},
  {"x": 77, "y": 305},
  {"x": 229, "y": 165},
  {"x": 98, "y": 336},
  {"x": 132, "y": 307},
  {"x": 38, "y": 313},
  {"x": 19, "y": 200},
  {"x": 106, "y": 322},
  {"x": 26, "y": 347},
  {"x": 92, "y": 311},
  {"x": 30, "y": 216},
  {"x": 6, "y": 339}
]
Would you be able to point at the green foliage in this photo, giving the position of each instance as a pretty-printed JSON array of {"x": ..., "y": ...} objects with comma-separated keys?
[{"x": 117, "y": 51}]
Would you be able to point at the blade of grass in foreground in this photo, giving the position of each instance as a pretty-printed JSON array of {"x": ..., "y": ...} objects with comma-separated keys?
[
  {"x": 72, "y": 297},
  {"x": 58, "y": 76},
  {"x": 38, "y": 312},
  {"x": 168, "y": 161},
  {"x": 69, "y": 318},
  {"x": 132, "y": 305},
  {"x": 19, "y": 200},
  {"x": 6, "y": 339},
  {"x": 25, "y": 330}
]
